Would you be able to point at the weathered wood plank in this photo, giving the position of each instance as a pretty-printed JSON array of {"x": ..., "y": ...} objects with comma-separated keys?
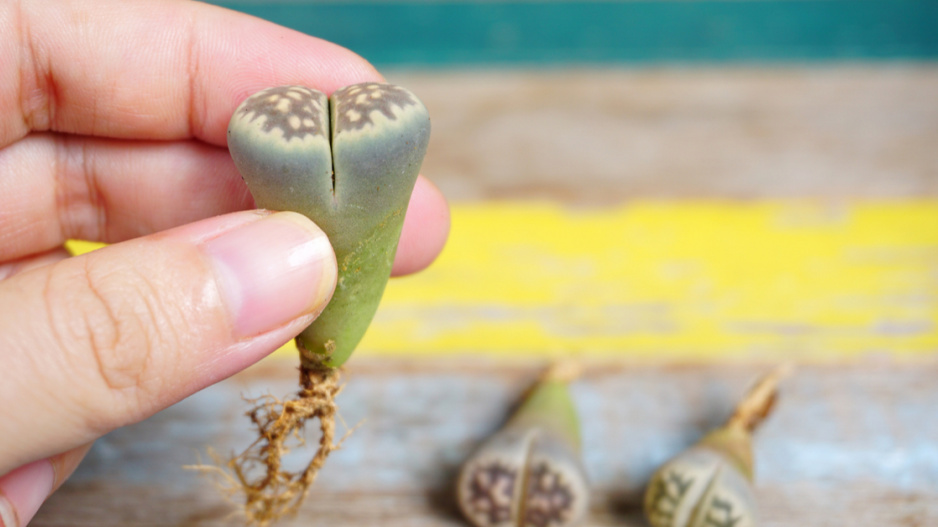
[
  {"x": 849, "y": 444},
  {"x": 588, "y": 136}
]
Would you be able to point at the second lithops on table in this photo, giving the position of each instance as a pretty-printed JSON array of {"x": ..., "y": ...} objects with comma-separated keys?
[
  {"x": 710, "y": 484},
  {"x": 530, "y": 472}
]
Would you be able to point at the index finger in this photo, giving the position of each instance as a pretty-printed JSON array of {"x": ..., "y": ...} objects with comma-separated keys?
[{"x": 150, "y": 70}]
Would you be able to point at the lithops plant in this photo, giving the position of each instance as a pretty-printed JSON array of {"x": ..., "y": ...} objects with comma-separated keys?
[
  {"x": 349, "y": 162},
  {"x": 530, "y": 473},
  {"x": 710, "y": 484}
]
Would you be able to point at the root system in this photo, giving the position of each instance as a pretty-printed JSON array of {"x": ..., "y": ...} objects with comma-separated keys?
[{"x": 270, "y": 491}]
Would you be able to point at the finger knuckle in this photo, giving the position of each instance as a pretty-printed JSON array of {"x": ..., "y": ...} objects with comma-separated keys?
[{"x": 111, "y": 324}]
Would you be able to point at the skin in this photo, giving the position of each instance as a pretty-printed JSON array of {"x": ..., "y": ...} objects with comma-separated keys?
[{"x": 99, "y": 142}]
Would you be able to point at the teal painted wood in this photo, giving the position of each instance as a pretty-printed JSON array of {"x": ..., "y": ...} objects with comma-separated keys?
[{"x": 574, "y": 32}]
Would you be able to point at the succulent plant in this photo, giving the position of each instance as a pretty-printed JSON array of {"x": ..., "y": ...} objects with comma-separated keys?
[
  {"x": 348, "y": 162},
  {"x": 530, "y": 472},
  {"x": 710, "y": 484}
]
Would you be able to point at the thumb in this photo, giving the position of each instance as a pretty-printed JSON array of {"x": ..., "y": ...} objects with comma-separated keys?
[{"x": 102, "y": 340}]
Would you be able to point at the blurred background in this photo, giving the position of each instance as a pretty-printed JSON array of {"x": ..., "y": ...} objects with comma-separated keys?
[
  {"x": 681, "y": 193},
  {"x": 664, "y": 179}
]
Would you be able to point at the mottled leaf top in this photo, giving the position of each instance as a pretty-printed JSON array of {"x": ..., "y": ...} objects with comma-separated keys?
[
  {"x": 491, "y": 492},
  {"x": 356, "y": 105},
  {"x": 294, "y": 110},
  {"x": 549, "y": 499}
]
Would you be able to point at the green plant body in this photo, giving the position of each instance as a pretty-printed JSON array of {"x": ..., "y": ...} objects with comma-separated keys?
[
  {"x": 710, "y": 484},
  {"x": 530, "y": 472},
  {"x": 349, "y": 163}
]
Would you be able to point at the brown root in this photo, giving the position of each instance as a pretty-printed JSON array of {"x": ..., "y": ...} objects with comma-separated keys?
[
  {"x": 758, "y": 403},
  {"x": 278, "y": 492},
  {"x": 567, "y": 370}
]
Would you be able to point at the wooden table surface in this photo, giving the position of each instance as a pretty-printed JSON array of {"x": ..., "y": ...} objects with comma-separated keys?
[
  {"x": 602, "y": 137},
  {"x": 854, "y": 440},
  {"x": 847, "y": 445}
]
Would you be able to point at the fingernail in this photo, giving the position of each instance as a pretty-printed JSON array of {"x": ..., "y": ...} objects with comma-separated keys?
[
  {"x": 273, "y": 271},
  {"x": 23, "y": 491}
]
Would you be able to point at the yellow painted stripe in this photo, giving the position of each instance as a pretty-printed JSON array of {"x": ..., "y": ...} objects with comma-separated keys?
[{"x": 694, "y": 280}]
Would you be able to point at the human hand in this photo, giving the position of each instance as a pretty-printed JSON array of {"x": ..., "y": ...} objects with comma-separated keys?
[{"x": 113, "y": 129}]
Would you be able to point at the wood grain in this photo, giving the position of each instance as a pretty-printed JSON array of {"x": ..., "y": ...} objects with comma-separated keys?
[
  {"x": 848, "y": 444},
  {"x": 601, "y": 137}
]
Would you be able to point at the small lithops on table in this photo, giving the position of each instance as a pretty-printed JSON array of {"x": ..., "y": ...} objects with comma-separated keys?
[
  {"x": 530, "y": 473},
  {"x": 710, "y": 484},
  {"x": 349, "y": 162}
]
